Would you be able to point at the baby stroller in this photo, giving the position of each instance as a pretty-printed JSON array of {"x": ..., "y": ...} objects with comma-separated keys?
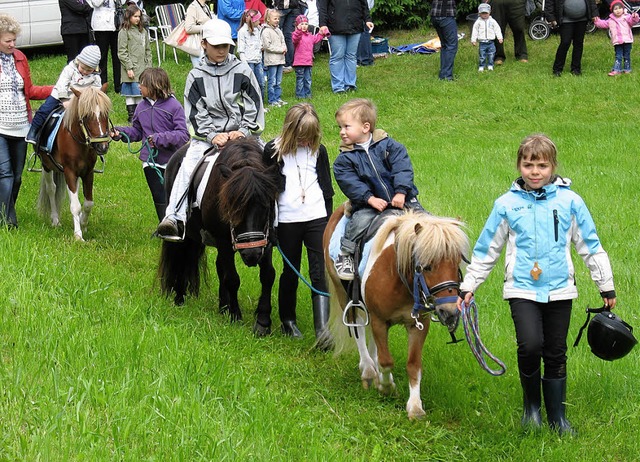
[{"x": 539, "y": 28}]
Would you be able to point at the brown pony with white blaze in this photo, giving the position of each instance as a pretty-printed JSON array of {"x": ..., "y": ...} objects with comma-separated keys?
[
  {"x": 83, "y": 136},
  {"x": 436, "y": 247}
]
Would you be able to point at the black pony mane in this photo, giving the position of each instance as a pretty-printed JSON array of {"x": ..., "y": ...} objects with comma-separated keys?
[{"x": 243, "y": 179}]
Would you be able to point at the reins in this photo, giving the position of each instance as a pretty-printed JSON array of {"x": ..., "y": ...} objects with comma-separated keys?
[
  {"x": 472, "y": 334},
  {"x": 300, "y": 276},
  {"x": 153, "y": 154}
]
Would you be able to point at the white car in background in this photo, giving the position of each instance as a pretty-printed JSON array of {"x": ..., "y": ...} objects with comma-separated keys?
[{"x": 40, "y": 21}]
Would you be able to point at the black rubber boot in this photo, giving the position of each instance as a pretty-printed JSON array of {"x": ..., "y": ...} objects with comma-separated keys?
[
  {"x": 532, "y": 400},
  {"x": 290, "y": 329},
  {"x": 131, "y": 109},
  {"x": 555, "y": 391},
  {"x": 324, "y": 341}
]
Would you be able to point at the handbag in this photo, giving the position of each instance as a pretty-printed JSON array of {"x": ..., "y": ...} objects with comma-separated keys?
[{"x": 189, "y": 43}]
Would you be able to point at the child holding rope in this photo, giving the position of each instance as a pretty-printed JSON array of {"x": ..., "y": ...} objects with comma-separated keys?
[
  {"x": 538, "y": 219},
  {"x": 304, "y": 205},
  {"x": 159, "y": 120}
]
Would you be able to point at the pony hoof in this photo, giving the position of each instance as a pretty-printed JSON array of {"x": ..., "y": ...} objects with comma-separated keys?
[
  {"x": 387, "y": 390},
  {"x": 78, "y": 237},
  {"x": 236, "y": 317},
  {"x": 178, "y": 300},
  {"x": 223, "y": 309},
  {"x": 366, "y": 383},
  {"x": 417, "y": 414},
  {"x": 261, "y": 331}
]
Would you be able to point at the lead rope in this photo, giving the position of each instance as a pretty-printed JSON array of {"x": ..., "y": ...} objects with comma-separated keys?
[
  {"x": 470, "y": 324},
  {"x": 153, "y": 154}
]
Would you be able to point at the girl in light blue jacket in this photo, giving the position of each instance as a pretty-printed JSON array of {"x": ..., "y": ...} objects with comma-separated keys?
[{"x": 538, "y": 219}]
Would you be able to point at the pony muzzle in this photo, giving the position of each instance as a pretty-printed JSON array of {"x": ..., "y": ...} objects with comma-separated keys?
[{"x": 449, "y": 317}]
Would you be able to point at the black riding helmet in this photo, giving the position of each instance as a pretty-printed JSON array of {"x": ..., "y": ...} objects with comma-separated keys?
[{"x": 609, "y": 336}]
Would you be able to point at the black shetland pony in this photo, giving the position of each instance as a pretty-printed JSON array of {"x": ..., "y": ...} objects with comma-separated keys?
[{"x": 236, "y": 214}]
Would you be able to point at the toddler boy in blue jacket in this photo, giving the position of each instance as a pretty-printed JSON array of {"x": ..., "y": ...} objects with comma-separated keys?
[{"x": 373, "y": 171}]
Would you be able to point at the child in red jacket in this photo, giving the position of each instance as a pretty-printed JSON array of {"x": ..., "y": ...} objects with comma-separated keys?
[{"x": 304, "y": 42}]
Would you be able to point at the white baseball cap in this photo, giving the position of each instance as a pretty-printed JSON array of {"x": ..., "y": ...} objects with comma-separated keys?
[{"x": 217, "y": 32}]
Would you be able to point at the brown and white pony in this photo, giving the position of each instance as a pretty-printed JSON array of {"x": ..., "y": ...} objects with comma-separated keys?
[{"x": 407, "y": 248}]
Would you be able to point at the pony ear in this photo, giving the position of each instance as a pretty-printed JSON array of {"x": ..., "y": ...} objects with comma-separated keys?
[
  {"x": 75, "y": 91},
  {"x": 417, "y": 228}
]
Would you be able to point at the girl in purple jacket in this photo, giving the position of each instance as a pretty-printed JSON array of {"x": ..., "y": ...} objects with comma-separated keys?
[
  {"x": 159, "y": 120},
  {"x": 304, "y": 41}
]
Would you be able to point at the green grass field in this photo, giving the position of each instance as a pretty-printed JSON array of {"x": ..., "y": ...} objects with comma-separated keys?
[{"x": 96, "y": 365}]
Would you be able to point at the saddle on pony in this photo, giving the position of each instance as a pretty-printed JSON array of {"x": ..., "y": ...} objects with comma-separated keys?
[{"x": 47, "y": 134}]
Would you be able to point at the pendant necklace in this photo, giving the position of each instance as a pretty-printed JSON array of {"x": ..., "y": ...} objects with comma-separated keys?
[{"x": 303, "y": 184}]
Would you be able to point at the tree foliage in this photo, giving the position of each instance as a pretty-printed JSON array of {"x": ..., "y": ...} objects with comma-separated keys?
[{"x": 410, "y": 14}]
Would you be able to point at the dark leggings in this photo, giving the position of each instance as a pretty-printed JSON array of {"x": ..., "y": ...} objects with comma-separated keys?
[
  {"x": 291, "y": 237},
  {"x": 541, "y": 332},
  {"x": 156, "y": 186}
]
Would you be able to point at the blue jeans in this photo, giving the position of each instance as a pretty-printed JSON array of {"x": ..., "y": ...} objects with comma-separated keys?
[
  {"x": 486, "y": 52},
  {"x": 342, "y": 63},
  {"x": 13, "y": 153},
  {"x": 258, "y": 71},
  {"x": 447, "y": 30},
  {"x": 287, "y": 24},
  {"x": 623, "y": 55},
  {"x": 41, "y": 115},
  {"x": 303, "y": 81},
  {"x": 274, "y": 80}
]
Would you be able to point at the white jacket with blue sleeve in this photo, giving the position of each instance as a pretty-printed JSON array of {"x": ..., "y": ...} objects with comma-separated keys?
[{"x": 539, "y": 226}]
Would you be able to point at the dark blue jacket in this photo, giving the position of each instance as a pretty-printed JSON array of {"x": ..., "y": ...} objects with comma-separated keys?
[{"x": 383, "y": 172}]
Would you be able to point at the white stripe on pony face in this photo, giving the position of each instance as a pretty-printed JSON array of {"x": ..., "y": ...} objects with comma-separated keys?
[{"x": 103, "y": 130}]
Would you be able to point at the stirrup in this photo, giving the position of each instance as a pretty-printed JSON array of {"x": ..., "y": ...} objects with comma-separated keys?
[
  {"x": 32, "y": 161},
  {"x": 352, "y": 308}
]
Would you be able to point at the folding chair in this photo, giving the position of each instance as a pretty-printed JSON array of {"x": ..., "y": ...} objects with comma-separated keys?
[{"x": 169, "y": 16}]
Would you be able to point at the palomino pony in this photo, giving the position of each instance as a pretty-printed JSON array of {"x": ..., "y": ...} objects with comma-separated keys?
[
  {"x": 83, "y": 136},
  {"x": 236, "y": 213},
  {"x": 414, "y": 262}
]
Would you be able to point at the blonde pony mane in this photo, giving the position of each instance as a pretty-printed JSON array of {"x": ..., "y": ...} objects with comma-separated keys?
[
  {"x": 422, "y": 239},
  {"x": 85, "y": 105}
]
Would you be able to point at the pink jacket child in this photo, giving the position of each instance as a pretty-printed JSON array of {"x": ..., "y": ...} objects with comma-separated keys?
[
  {"x": 304, "y": 41},
  {"x": 619, "y": 24}
]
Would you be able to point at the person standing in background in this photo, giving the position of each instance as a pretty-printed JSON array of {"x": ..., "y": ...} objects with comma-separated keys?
[
  {"x": 230, "y": 11},
  {"x": 443, "y": 19},
  {"x": 344, "y": 21},
  {"x": 571, "y": 16},
  {"x": 134, "y": 51},
  {"x": 16, "y": 91},
  {"x": 197, "y": 14},
  {"x": 511, "y": 13},
  {"x": 289, "y": 10},
  {"x": 104, "y": 28},
  {"x": 75, "y": 20}
]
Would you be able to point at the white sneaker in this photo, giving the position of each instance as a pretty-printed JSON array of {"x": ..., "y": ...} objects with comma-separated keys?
[
  {"x": 282, "y": 103},
  {"x": 481, "y": 69},
  {"x": 489, "y": 68},
  {"x": 344, "y": 267}
]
